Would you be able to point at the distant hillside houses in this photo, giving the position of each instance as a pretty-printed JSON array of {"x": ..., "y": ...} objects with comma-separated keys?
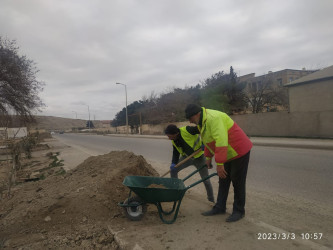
[{"x": 106, "y": 123}]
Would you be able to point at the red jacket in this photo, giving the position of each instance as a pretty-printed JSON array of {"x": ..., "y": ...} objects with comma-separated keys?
[{"x": 222, "y": 137}]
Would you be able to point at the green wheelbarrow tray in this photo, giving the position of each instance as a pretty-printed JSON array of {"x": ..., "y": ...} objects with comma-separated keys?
[{"x": 156, "y": 190}]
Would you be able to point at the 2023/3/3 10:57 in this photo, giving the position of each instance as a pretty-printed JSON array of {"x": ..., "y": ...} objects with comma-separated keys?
[{"x": 289, "y": 236}]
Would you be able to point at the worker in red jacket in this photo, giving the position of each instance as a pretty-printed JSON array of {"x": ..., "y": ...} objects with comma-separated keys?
[{"x": 225, "y": 140}]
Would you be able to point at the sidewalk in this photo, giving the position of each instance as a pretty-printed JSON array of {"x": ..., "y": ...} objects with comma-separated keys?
[
  {"x": 326, "y": 144},
  {"x": 293, "y": 142}
]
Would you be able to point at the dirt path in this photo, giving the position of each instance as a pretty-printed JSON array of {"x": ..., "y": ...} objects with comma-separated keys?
[{"x": 79, "y": 210}]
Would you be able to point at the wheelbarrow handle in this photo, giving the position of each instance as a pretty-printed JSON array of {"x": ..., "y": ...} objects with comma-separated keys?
[
  {"x": 202, "y": 180},
  {"x": 193, "y": 173},
  {"x": 185, "y": 160}
]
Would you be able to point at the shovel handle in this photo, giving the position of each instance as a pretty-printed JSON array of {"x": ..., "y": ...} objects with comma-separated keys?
[{"x": 185, "y": 160}]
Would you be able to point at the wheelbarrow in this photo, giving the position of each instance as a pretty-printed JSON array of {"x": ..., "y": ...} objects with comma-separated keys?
[{"x": 155, "y": 190}]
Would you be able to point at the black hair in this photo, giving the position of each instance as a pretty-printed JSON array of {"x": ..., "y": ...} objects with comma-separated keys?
[
  {"x": 191, "y": 110},
  {"x": 171, "y": 130}
]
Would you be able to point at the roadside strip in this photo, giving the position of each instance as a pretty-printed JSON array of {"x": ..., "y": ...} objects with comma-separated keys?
[{"x": 324, "y": 144}]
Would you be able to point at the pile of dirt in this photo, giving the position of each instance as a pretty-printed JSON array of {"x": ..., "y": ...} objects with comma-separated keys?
[{"x": 72, "y": 210}]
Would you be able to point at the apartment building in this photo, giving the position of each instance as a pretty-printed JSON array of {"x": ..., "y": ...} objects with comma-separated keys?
[
  {"x": 257, "y": 86},
  {"x": 278, "y": 78}
]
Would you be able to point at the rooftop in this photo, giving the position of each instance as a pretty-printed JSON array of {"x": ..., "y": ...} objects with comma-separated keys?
[{"x": 324, "y": 74}]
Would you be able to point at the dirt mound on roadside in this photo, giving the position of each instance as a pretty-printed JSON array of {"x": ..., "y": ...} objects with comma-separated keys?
[{"x": 72, "y": 210}]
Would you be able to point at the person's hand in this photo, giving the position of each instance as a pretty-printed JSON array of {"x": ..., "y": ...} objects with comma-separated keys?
[
  {"x": 221, "y": 171},
  {"x": 209, "y": 163}
]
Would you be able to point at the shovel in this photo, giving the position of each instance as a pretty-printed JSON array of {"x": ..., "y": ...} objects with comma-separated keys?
[{"x": 185, "y": 160}]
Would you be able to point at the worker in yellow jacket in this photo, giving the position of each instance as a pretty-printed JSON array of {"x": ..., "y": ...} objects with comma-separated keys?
[
  {"x": 185, "y": 141},
  {"x": 226, "y": 141}
]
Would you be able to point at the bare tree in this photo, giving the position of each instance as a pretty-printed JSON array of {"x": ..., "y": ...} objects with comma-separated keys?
[
  {"x": 19, "y": 87},
  {"x": 265, "y": 94}
]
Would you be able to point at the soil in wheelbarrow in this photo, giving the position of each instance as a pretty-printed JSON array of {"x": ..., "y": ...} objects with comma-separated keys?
[{"x": 73, "y": 210}]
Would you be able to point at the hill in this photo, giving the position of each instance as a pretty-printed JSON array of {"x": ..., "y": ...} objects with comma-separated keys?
[{"x": 52, "y": 123}]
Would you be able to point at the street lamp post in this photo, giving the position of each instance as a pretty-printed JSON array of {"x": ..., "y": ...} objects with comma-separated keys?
[
  {"x": 126, "y": 106},
  {"x": 89, "y": 117}
]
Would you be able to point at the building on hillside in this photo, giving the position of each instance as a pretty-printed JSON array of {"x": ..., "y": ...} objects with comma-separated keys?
[
  {"x": 313, "y": 92},
  {"x": 106, "y": 123},
  {"x": 270, "y": 86}
]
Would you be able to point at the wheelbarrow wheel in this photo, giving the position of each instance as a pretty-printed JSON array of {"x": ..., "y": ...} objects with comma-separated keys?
[{"x": 136, "y": 210}]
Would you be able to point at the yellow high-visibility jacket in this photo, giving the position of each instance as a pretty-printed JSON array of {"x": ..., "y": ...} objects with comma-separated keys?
[
  {"x": 222, "y": 137},
  {"x": 193, "y": 141}
]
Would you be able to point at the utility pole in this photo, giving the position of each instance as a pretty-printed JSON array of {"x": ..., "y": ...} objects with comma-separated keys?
[
  {"x": 89, "y": 117},
  {"x": 126, "y": 106}
]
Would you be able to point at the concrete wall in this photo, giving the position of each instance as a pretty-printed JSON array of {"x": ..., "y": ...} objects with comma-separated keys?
[
  {"x": 317, "y": 96},
  {"x": 159, "y": 129},
  {"x": 297, "y": 124},
  {"x": 13, "y": 132}
]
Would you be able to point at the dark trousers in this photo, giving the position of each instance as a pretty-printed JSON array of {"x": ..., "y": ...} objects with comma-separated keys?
[
  {"x": 198, "y": 163},
  {"x": 236, "y": 173}
]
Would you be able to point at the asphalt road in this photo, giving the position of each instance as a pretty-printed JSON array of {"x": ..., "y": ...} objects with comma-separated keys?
[{"x": 289, "y": 172}]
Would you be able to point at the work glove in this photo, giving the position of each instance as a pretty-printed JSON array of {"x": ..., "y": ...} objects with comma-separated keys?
[{"x": 172, "y": 167}]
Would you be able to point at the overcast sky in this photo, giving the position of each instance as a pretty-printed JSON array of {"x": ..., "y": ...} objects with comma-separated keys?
[{"x": 82, "y": 48}]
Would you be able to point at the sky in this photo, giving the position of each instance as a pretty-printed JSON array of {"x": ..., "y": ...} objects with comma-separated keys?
[{"x": 82, "y": 48}]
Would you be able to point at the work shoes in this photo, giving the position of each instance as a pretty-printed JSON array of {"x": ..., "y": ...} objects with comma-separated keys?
[
  {"x": 234, "y": 217},
  {"x": 213, "y": 211}
]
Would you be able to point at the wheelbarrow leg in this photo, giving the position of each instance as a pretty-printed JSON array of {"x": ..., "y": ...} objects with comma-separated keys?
[
  {"x": 171, "y": 211},
  {"x": 160, "y": 211}
]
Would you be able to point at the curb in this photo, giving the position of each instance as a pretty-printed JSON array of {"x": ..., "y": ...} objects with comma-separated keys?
[{"x": 290, "y": 145}]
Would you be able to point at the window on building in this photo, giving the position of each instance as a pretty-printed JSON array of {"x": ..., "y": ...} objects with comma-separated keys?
[{"x": 279, "y": 80}]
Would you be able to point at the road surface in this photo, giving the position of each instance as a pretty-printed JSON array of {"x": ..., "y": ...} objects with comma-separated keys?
[{"x": 289, "y": 199}]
